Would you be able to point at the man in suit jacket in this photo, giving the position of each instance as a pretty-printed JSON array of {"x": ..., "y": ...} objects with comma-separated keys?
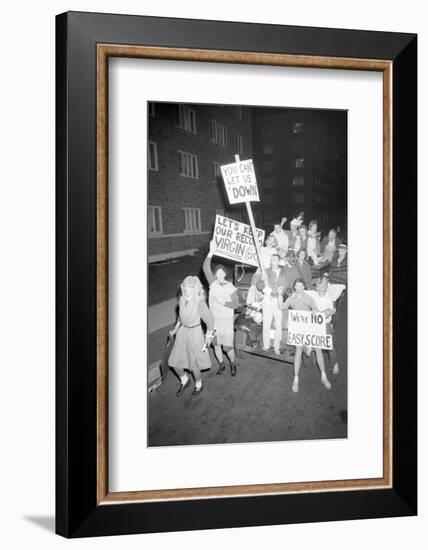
[
  {"x": 330, "y": 245},
  {"x": 339, "y": 266},
  {"x": 272, "y": 282}
]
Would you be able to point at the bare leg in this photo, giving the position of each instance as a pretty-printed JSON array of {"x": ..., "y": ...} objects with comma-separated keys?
[
  {"x": 219, "y": 354},
  {"x": 321, "y": 366},
  {"x": 230, "y": 352},
  {"x": 297, "y": 363},
  {"x": 333, "y": 361}
]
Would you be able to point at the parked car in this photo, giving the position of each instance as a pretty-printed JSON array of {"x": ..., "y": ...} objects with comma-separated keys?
[{"x": 249, "y": 325}]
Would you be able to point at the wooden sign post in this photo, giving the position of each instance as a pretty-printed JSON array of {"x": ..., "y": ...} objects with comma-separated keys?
[{"x": 241, "y": 186}]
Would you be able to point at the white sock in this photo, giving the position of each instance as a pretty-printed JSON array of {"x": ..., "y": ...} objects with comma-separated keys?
[
  {"x": 184, "y": 379},
  {"x": 198, "y": 384}
]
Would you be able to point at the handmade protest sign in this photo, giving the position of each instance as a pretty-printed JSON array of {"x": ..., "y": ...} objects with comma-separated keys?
[
  {"x": 240, "y": 181},
  {"x": 308, "y": 328},
  {"x": 234, "y": 240}
]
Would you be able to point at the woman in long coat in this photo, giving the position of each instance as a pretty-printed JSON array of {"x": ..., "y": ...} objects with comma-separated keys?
[{"x": 189, "y": 352}]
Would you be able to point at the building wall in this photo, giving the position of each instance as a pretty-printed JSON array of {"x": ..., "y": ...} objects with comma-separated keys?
[
  {"x": 321, "y": 143},
  {"x": 172, "y": 191}
]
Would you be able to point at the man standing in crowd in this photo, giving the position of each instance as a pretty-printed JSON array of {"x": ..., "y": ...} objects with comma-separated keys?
[
  {"x": 329, "y": 245},
  {"x": 281, "y": 237},
  {"x": 269, "y": 282},
  {"x": 266, "y": 251},
  {"x": 339, "y": 266},
  {"x": 293, "y": 234},
  {"x": 291, "y": 272}
]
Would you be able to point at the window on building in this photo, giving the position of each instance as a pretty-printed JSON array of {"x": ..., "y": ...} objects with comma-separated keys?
[
  {"x": 269, "y": 199},
  {"x": 239, "y": 146},
  {"x": 187, "y": 118},
  {"x": 269, "y": 182},
  {"x": 152, "y": 109},
  {"x": 238, "y": 112},
  {"x": 268, "y": 148},
  {"x": 267, "y": 131},
  {"x": 218, "y": 133},
  {"x": 298, "y": 181},
  {"x": 268, "y": 166},
  {"x": 154, "y": 220},
  {"x": 216, "y": 170},
  {"x": 188, "y": 165},
  {"x": 299, "y": 162},
  {"x": 297, "y": 127},
  {"x": 153, "y": 156},
  {"x": 270, "y": 218},
  {"x": 298, "y": 198},
  {"x": 192, "y": 220}
]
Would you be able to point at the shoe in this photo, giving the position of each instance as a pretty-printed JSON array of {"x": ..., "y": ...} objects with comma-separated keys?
[
  {"x": 233, "y": 369},
  {"x": 221, "y": 368},
  {"x": 295, "y": 386},
  {"x": 326, "y": 383},
  {"x": 182, "y": 388},
  {"x": 277, "y": 352},
  {"x": 336, "y": 368},
  {"x": 197, "y": 391}
]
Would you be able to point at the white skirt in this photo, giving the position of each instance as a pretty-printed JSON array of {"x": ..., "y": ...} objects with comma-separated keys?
[{"x": 225, "y": 333}]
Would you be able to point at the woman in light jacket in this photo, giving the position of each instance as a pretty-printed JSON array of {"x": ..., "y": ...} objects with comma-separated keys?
[{"x": 188, "y": 350}]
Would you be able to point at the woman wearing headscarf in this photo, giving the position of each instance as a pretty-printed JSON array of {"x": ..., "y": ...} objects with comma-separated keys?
[
  {"x": 223, "y": 300},
  {"x": 188, "y": 352}
]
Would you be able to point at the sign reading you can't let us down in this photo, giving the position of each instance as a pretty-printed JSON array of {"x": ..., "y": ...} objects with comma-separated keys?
[{"x": 240, "y": 181}]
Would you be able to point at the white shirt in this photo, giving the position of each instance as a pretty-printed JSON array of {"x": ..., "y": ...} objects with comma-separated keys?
[
  {"x": 282, "y": 239},
  {"x": 322, "y": 302},
  {"x": 266, "y": 255}
]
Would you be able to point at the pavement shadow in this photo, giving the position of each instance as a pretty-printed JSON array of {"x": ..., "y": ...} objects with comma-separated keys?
[{"x": 45, "y": 522}]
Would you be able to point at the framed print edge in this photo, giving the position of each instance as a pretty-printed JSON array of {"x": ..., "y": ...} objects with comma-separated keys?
[{"x": 84, "y": 505}]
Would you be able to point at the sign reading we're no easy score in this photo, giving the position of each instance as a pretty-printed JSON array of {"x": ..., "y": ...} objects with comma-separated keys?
[
  {"x": 240, "y": 181},
  {"x": 308, "y": 328}
]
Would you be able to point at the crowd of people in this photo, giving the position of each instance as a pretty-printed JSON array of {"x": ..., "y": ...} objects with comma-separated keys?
[{"x": 285, "y": 280}]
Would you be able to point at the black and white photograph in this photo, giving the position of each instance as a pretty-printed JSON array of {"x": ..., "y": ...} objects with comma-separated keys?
[{"x": 247, "y": 274}]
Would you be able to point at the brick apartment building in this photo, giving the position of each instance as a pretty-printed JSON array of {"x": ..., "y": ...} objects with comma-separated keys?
[
  {"x": 300, "y": 162},
  {"x": 187, "y": 145}
]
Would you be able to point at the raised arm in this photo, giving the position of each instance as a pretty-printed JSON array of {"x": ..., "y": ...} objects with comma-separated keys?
[
  {"x": 282, "y": 222},
  {"x": 206, "y": 266}
]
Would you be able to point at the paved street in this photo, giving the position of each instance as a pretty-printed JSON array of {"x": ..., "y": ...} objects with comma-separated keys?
[
  {"x": 165, "y": 277},
  {"x": 257, "y": 405}
]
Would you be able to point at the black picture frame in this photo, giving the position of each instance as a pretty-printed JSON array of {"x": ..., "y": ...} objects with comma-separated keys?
[{"x": 78, "y": 513}]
